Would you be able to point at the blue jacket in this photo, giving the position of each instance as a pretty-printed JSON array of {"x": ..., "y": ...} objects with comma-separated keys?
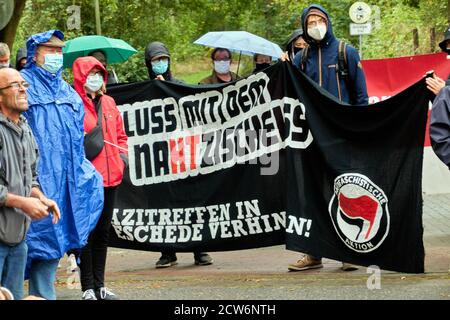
[
  {"x": 55, "y": 116},
  {"x": 440, "y": 126},
  {"x": 322, "y": 61}
]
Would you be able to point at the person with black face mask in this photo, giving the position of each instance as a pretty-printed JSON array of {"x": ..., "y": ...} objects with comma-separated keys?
[
  {"x": 261, "y": 62},
  {"x": 21, "y": 58},
  {"x": 435, "y": 83},
  {"x": 295, "y": 43}
]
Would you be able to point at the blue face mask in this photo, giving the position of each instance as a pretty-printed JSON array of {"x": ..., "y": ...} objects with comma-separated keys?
[
  {"x": 53, "y": 62},
  {"x": 160, "y": 67}
]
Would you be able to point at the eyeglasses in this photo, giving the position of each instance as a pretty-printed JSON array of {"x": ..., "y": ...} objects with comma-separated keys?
[
  {"x": 320, "y": 21},
  {"x": 17, "y": 85}
]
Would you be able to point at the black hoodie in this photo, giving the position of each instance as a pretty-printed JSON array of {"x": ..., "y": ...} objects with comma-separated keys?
[
  {"x": 21, "y": 54},
  {"x": 155, "y": 49},
  {"x": 290, "y": 48}
]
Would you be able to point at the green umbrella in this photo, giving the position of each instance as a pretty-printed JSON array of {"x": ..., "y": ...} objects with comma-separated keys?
[{"x": 116, "y": 50}]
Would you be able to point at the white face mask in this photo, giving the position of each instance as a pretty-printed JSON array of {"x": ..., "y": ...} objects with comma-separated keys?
[
  {"x": 94, "y": 82},
  {"x": 222, "y": 67},
  {"x": 4, "y": 65},
  {"x": 317, "y": 32}
]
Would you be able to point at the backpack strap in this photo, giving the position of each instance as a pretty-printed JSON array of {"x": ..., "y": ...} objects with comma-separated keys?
[
  {"x": 342, "y": 60},
  {"x": 342, "y": 69}
]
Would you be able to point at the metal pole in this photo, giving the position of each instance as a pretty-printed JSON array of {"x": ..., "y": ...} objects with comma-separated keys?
[
  {"x": 360, "y": 46},
  {"x": 97, "y": 18},
  {"x": 239, "y": 63}
]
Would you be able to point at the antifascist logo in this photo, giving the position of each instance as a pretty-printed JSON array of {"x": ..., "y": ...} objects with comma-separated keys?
[{"x": 359, "y": 211}]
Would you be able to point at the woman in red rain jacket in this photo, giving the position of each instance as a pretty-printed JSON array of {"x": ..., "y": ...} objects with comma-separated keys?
[{"x": 89, "y": 81}]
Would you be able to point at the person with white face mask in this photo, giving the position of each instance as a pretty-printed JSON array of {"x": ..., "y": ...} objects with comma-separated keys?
[
  {"x": 221, "y": 59},
  {"x": 101, "y": 114},
  {"x": 5, "y": 55},
  {"x": 320, "y": 61}
]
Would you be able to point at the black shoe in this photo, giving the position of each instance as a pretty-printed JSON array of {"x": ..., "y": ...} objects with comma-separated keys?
[
  {"x": 105, "y": 294},
  {"x": 203, "y": 259},
  {"x": 166, "y": 261}
]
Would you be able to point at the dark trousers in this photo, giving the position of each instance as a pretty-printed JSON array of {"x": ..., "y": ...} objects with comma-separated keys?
[{"x": 93, "y": 255}]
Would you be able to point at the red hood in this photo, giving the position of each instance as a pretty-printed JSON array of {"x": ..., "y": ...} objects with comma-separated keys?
[{"x": 81, "y": 68}]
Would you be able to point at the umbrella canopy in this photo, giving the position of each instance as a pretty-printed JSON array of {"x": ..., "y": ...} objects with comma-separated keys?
[
  {"x": 116, "y": 50},
  {"x": 240, "y": 41}
]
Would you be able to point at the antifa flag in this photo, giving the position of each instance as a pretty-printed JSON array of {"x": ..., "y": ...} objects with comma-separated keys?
[{"x": 272, "y": 159}]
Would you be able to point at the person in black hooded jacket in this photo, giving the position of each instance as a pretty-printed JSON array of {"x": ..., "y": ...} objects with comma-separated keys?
[
  {"x": 21, "y": 58},
  {"x": 157, "y": 60},
  {"x": 295, "y": 43}
]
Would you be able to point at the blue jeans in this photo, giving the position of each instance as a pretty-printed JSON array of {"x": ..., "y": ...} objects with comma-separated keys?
[
  {"x": 42, "y": 278},
  {"x": 12, "y": 267}
]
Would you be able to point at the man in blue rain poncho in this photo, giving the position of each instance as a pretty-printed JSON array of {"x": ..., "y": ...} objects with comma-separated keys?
[{"x": 55, "y": 116}]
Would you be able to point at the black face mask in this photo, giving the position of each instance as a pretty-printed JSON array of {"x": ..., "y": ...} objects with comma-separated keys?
[
  {"x": 261, "y": 66},
  {"x": 296, "y": 50}
]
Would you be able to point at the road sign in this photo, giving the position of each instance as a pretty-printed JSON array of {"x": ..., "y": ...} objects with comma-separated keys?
[
  {"x": 360, "y": 12},
  {"x": 357, "y": 29},
  {"x": 6, "y": 12}
]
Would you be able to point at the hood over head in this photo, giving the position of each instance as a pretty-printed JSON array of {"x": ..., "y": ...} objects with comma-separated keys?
[
  {"x": 319, "y": 10},
  {"x": 21, "y": 53},
  {"x": 293, "y": 37},
  {"x": 82, "y": 66},
  {"x": 153, "y": 50},
  {"x": 37, "y": 39},
  {"x": 443, "y": 44}
]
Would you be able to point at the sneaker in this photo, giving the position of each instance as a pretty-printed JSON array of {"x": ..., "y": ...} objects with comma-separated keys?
[
  {"x": 88, "y": 295},
  {"x": 7, "y": 295},
  {"x": 166, "y": 261},
  {"x": 203, "y": 259},
  {"x": 349, "y": 267},
  {"x": 104, "y": 294},
  {"x": 305, "y": 263}
]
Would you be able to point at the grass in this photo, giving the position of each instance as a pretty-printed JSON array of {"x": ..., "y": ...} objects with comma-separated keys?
[
  {"x": 194, "y": 78},
  {"x": 192, "y": 71}
]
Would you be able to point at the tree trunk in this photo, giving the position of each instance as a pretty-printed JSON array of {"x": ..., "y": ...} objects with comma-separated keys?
[
  {"x": 8, "y": 34},
  {"x": 433, "y": 39},
  {"x": 448, "y": 11},
  {"x": 415, "y": 40}
]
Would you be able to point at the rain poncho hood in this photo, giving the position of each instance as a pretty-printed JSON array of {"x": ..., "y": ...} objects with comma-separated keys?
[{"x": 55, "y": 116}]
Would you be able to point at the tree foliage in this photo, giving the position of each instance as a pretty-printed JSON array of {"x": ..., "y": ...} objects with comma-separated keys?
[{"x": 178, "y": 23}]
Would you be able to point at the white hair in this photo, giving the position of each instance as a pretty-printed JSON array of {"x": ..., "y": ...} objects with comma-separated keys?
[{"x": 4, "y": 49}]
